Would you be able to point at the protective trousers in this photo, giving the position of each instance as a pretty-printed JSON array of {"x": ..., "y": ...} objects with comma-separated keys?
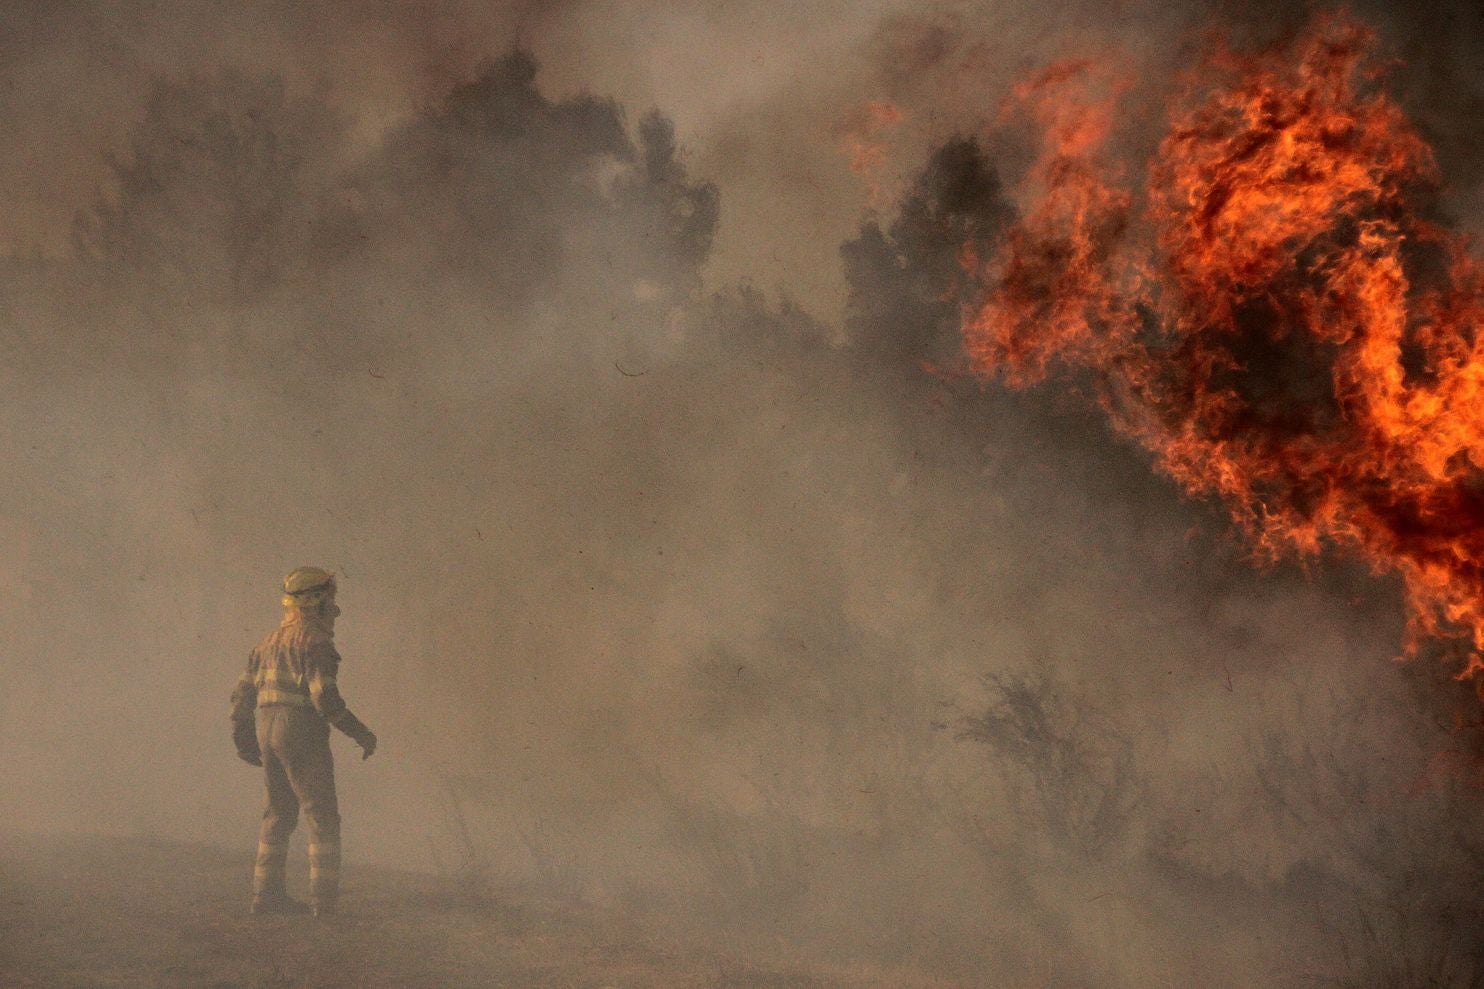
[{"x": 295, "y": 743}]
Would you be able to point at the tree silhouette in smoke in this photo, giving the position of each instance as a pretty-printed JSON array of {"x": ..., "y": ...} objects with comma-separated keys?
[
  {"x": 902, "y": 308},
  {"x": 237, "y": 195},
  {"x": 501, "y": 188},
  {"x": 211, "y": 198}
]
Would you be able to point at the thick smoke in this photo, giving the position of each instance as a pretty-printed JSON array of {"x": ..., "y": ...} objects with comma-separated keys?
[{"x": 664, "y": 588}]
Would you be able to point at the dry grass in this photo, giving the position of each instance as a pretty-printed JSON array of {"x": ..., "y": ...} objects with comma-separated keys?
[{"x": 121, "y": 914}]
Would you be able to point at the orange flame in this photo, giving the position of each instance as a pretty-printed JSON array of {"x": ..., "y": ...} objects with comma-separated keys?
[{"x": 1279, "y": 323}]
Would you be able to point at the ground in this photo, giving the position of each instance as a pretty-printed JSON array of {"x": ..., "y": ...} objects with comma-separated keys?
[{"x": 80, "y": 912}]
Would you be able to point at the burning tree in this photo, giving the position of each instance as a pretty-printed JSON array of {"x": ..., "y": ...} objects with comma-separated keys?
[{"x": 1275, "y": 313}]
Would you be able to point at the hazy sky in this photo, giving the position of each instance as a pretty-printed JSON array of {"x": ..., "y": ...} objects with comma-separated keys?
[{"x": 762, "y": 94}]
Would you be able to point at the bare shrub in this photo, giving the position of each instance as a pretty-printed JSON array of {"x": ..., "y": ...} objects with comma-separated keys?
[{"x": 1068, "y": 760}]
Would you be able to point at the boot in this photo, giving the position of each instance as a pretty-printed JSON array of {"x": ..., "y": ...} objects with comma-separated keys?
[{"x": 280, "y": 904}]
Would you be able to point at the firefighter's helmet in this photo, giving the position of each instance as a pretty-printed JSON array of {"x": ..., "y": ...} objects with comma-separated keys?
[{"x": 306, "y": 588}]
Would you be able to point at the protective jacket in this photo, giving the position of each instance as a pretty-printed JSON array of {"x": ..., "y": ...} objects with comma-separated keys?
[{"x": 295, "y": 665}]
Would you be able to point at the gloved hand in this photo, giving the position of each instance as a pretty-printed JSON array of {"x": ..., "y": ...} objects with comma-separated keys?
[
  {"x": 358, "y": 732},
  {"x": 246, "y": 739}
]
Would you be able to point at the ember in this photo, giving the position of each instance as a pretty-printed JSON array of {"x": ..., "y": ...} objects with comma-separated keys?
[{"x": 864, "y": 143}]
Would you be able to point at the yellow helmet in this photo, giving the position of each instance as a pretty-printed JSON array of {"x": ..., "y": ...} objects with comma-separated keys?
[{"x": 306, "y": 588}]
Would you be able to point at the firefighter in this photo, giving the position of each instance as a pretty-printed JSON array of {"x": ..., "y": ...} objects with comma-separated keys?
[{"x": 282, "y": 710}]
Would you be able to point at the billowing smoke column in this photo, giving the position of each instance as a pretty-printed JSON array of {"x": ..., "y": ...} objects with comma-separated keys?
[{"x": 1277, "y": 314}]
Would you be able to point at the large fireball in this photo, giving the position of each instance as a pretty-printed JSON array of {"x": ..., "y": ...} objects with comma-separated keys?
[{"x": 1277, "y": 314}]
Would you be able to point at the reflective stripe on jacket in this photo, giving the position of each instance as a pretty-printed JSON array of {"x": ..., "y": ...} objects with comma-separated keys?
[{"x": 294, "y": 665}]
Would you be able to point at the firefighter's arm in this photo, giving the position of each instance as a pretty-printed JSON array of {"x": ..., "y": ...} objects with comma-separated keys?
[
  {"x": 325, "y": 694},
  {"x": 244, "y": 706}
]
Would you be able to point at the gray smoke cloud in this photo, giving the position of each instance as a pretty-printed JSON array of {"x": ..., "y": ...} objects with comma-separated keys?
[{"x": 671, "y": 579}]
